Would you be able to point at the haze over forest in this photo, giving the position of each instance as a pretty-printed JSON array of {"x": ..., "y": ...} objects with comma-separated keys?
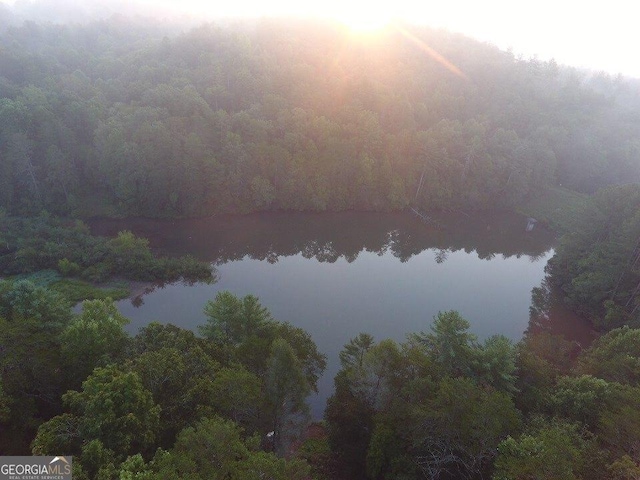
[
  {"x": 107, "y": 112},
  {"x": 584, "y": 35},
  {"x": 296, "y": 115}
]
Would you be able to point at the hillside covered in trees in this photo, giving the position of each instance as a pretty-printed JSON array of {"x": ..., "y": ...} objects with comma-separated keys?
[
  {"x": 597, "y": 264},
  {"x": 121, "y": 117},
  {"x": 126, "y": 118}
]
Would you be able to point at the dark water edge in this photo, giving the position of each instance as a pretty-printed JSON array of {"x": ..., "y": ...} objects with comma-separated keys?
[
  {"x": 328, "y": 236},
  {"x": 339, "y": 274}
]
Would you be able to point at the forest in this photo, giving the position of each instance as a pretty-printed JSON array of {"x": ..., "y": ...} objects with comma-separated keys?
[
  {"x": 124, "y": 118},
  {"x": 230, "y": 401}
]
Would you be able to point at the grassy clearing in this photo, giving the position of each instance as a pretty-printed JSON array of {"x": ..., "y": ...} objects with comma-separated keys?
[
  {"x": 42, "y": 278},
  {"x": 78, "y": 290},
  {"x": 75, "y": 290},
  {"x": 556, "y": 206}
]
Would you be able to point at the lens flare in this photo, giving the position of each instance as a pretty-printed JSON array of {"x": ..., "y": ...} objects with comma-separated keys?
[{"x": 363, "y": 16}]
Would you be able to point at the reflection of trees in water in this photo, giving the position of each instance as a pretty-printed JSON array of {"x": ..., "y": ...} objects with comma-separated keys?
[
  {"x": 329, "y": 237},
  {"x": 137, "y": 299},
  {"x": 441, "y": 255},
  {"x": 541, "y": 304},
  {"x": 550, "y": 316},
  {"x": 533, "y": 258},
  {"x": 272, "y": 257}
]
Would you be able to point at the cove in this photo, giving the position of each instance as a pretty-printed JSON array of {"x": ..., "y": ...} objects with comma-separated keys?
[{"x": 339, "y": 274}]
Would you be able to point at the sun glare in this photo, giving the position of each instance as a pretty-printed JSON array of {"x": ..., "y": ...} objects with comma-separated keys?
[{"x": 364, "y": 18}]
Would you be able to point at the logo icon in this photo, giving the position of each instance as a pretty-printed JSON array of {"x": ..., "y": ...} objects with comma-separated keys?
[{"x": 35, "y": 468}]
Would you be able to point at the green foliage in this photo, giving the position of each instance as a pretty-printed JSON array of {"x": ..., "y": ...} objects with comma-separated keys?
[
  {"x": 23, "y": 300},
  {"x": 213, "y": 449},
  {"x": 352, "y": 355},
  {"x": 41, "y": 243},
  {"x": 94, "y": 338},
  {"x": 236, "y": 393},
  {"x": 141, "y": 393},
  {"x": 156, "y": 336},
  {"x": 597, "y": 264},
  {"x": 61, "y": 433},
  {"x": 234, "y": 119},
  {"x": 397, "y": 413},
  {"x": 246, "y": 329},
  {"x": 233, "y": 320},
  {"x": 68, "y": 268},
  {"x": 556, "y": 206},
  {"x": 4, "y": 405},
  {"x": 375, "y": 380},
  {"x": 115, "y": 408},
  {"x": 264, "y": 465},
  {"x": 317, "y": 453},
  {"x": 541, "y": 359},
  {"x": 31, "y": 373},
  {"x": 75, "y": 291},
  {"x": 386, "y": 453},
  {"x": 554, "y": 451},
  {"x": 41, "y": 278},
  {"x": 350, "y": 423},
  {"x": 97, "y": 461},
  {"x": 624, "y": 468},
  {"x": 619, "y": 423},
  {"x": 456, "y": 352},
  {"x": 286, "y": 391},
  {"x": 450, "y": 343},
  {"x": 179, "y": 380},
  {"x": 462, "y": 426},
  {"x": 439, "y": 405},
  {"x": 495, "y": 363},
  {"x": 134, "y": 468},
  {"x": 581, "y": 399},
  {"x": 311, "y": 360},
  {"x": 615, "y": 356}
]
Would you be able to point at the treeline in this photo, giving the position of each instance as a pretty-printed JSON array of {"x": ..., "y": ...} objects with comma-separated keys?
[
  {"x": 165, "y": 404},
  {"x": 597, "y": 264},
  {"x": 116, "y": 118}
]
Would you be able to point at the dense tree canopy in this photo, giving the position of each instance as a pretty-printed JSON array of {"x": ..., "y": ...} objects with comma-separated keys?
[
  {"x": 424, "y": 409},
  {"x": 109, "y": 119},
  {"x": 128, "y": 397},
  {"x": 533, "y": 411},
  {"x": 597, "y": 264},
  {"x": 122, "y": 118}
]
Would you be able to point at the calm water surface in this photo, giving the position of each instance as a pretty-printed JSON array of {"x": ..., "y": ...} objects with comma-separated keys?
[{"x": 339, "y": 274}]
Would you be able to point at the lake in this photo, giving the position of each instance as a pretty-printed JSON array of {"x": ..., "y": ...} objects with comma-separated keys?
[{"x": 339, "y": 274}]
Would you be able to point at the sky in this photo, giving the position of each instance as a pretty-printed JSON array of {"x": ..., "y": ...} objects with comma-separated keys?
[{"x": 589, "y": 33}]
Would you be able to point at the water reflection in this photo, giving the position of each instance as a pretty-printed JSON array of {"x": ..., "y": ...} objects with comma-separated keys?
[
  {"x": 549, "y": 314},
  {"x": 336, "y": 275},
  {"x": 330, "y": 237}
]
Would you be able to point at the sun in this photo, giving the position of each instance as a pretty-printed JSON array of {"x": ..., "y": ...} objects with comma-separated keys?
[{"x": 364, "y": 17}]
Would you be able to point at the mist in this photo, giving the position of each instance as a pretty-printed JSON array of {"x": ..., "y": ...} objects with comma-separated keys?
[{"x": 85, "y": 12}]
